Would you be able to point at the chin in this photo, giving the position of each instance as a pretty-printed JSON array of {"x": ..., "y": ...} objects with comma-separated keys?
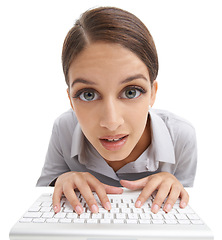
[{"x": 114, "y": 157}]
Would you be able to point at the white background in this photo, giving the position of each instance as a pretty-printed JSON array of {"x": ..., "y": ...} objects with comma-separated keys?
[{"x": 188, "y": 37}]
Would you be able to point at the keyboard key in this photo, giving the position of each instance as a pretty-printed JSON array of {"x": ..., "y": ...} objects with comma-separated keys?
[
  {"x": 131, "y": 221},
  {"x": 65, "y": 220},
  {"x": 85, "y": 215},
  {"x": 105, "y": 221},
  {"x": 147, "y": 210},
  {"x": 120, "y": 215},
  {"x": 144, "y": 221},
  {"x": 108, "y": 215},
  {"x": 184, "y": 222},
  {"x": 169, "y": 216},
  {"x": 60, "y": 215},
  {"x": 25, "y": 220},
  {"x": 52, "y": 220},
  {"x": 96, "y": 215},
  {"x": 37, "y": 204},
  {"x": 118, "y": 221},
  {"x": 137, "y": 210},
  {"x": 181, "y": 216},
  {"x": 193, "y": 216},
  {"x": 68, "y": 210},
  {"x": 92, "y": 221},
  {"x": 79, "y": 220},
  {"x": 127, "y": 200},
  {"x": 126, "y": 210},
  {"x": 102, "y": 210},
  {"x": 157, "y": 216},
  {"x": 157, "y": 221},
  {"x": 72, "y": 215},
  {"x": 197, "y": 222},
  {"x": 132, "y": 215},
  {"x": 32, "y": 215},
  {"x": 46, "y": 204},
  {"x": 185, "y": 210},
  {"x": 38, "y": 220},
  {"x": 122, "y": 205},
  {"x": 114, "y": 210},
  {"x": 169, "y": 221},
  {"x": 48, "y": 214},
  {"x": 145, "y": 216},
  {"x": 34, "y": 209},
  {"x": 45, "y": 209}
]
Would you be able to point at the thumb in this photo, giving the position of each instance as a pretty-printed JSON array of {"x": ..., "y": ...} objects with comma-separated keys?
[
  {"x": 112, "y": 190},
  {"x": 134, "y": 185}
]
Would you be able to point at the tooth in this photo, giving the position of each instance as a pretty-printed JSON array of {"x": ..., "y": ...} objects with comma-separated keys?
[{"x": 112, "y": 140}]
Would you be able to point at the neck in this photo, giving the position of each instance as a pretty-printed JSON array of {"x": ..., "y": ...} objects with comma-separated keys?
[{"x": 140, "y": 147}]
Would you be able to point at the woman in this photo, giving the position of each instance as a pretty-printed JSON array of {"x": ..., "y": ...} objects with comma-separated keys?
[{"x": 111, "y": 137}]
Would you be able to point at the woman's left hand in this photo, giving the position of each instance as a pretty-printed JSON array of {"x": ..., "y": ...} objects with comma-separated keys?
[{"x": 166, "y": 184}]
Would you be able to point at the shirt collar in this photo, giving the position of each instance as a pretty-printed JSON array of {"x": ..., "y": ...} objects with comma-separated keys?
[
  {"x": 84, "y": 150},
  {"x": 77, "y": 141},
  {"x": 161, "y": 145},
  {"x": 161, "y": 148}
]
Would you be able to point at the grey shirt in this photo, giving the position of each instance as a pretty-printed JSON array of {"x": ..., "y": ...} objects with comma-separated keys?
[{"x": 173, "y": 149}]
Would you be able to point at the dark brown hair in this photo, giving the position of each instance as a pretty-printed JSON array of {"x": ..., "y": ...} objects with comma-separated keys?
[{"x": 112, "y": 25}]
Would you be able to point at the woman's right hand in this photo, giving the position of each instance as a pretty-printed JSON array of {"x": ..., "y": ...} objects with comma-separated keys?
[{"x": 85, "y": 183}]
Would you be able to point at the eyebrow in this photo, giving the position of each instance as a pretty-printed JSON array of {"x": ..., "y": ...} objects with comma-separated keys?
[
  {"x": 129, "y": 79},
  {"x": 81, "y": 80},
  {"x": 134, "y": 77}
]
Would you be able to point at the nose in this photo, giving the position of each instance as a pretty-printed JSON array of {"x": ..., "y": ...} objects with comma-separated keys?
[{"x": 111, "y": 115}]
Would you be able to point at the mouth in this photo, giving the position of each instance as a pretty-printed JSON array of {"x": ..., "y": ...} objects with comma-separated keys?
[{"x": 114, "y": 143}]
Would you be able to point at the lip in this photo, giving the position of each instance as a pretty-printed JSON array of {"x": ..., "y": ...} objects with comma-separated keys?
[{"x": 117, "y": 144}]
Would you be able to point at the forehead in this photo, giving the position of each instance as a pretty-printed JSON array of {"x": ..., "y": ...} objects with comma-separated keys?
[{"x": 106, "y": 58}]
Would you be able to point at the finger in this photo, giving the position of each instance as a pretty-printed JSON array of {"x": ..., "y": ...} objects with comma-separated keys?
[
  {"x": 150, "y": 187},
  {"x": 112, "y": 190},
  {"x": 173, "y": 196},
  {"x": 134, "y": 185},
  {"x": 184, "y": 198},
  {"x": 102, "y": 190},
  {"x": 161, "y": 195},
  {"x": 56, "y": 198},
  {"x": 82, "y": 184},
  {"x": 101, "y": 193},
  {"x": 72, "y": 198}
]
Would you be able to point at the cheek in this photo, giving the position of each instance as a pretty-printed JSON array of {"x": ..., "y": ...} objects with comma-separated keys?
[
  {"x": 136, "y": 117},
  {"x": 86, "y": 118}
]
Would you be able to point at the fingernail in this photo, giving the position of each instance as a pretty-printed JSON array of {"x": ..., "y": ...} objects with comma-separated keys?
[
  {"x": 78, "y": 209},
  {"x": 183, "y": 204},
  {"x": 107, "y": 205},
  {"x": 94, "y": 208},
  {"x": 55, "y": 208},
  {"x": 138, "y": 204},
  {"x": 168, "y": 207},
  {"x": 155, "y": 208}
]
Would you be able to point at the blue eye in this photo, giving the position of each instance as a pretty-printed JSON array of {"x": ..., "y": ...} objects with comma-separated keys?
[{"x": 88, "y": 95}]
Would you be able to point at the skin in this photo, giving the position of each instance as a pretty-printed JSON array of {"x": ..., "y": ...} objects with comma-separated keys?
[{"x": 110, "y": 86}]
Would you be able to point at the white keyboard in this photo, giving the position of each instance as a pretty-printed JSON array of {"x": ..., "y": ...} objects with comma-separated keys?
[
  {"x": 123, "y": 222},
  {"x": 123, "y": 212}
]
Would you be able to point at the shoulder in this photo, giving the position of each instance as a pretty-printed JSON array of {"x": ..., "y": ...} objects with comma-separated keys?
[
  {"x": 179, "y": 128},
  {"x": 65, "y": 122}
]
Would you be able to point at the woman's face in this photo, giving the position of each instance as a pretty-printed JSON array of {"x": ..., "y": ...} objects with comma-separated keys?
[{"x": 110, "y": 92}]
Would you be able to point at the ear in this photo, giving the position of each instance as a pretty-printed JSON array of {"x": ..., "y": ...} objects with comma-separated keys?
[
  {"x": 153, "y": 92},
  {"x": 70, "y": 99}
]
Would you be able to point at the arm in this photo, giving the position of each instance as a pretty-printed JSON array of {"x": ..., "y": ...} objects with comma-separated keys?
[{"x": 54, "y": 164}]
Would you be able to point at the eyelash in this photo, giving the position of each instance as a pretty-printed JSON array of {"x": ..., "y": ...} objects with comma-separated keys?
[{"x": 128, "y": 88}]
